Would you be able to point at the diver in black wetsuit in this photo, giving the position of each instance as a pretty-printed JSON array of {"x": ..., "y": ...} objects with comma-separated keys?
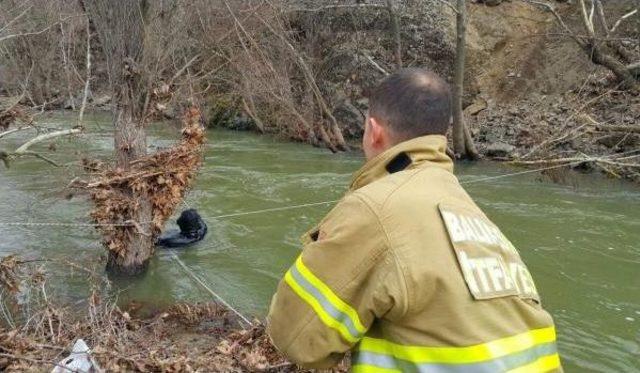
[{"x": 192, "y": 229}]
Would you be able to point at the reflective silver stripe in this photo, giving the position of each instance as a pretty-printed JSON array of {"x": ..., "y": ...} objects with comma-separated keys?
[
  {"x": 502, "y": 364},
  {"x": 324, "y": 302}
]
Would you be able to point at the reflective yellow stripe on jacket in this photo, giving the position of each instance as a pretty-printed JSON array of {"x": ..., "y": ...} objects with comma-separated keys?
[
  {"x": 529, "y": 352},
  {"x": 332, "y": 310}
]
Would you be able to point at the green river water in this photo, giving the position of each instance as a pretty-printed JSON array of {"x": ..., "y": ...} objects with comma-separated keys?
[{"x": 581, "y": 241}]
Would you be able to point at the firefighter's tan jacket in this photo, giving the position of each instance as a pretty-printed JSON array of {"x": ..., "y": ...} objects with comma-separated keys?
[{"x": 410, "y": 275}]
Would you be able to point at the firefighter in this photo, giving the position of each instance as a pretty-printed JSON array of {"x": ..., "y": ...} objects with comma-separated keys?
[{"x": 406, "y": 272}]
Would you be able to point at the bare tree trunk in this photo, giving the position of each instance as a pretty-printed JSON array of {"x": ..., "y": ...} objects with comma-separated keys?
[
  {"x": 87, "y": 81},
  {"x": 65, "y": 63},
  {"x": 395, "y": 30},
  {"x": 462, "y": 142},
  {"x": 121, "y": 32}
]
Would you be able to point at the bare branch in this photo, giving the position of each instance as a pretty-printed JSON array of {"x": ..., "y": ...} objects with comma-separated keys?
[
  {"x": 619, "y": 21},
  {"x": 339, "y": 6},
  {"x": 603, "y": 19},
  {"x": 7, "y": 37},
  {"x": 16, "y": 18},
  {"x": 553, "y": 11},
  {"x": 619, "y": 128},
  {"x": 44, "y": 137},
  {"x": 375, "y": 64},
  {"x": 37, "y": 155},
  {"x": 588, "y": 19},
  {"x": 13, "y": 130},
  {"x": 184, "y": 68}
]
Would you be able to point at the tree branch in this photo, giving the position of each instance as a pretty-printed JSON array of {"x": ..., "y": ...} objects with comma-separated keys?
[
  {"x": 553, "y": 11},
  {"x": 44, "y": 137},
  {"x": 375, "y": 64},
  {"x": 16, "y": 18},
  {"x": 7, "y": 37},
  {"x": 13, "y": 130},
  {"x": 619, "y": 21},
  {"x": 338, "y": 6}
]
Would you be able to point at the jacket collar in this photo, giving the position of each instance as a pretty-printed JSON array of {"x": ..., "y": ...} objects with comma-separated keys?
[{"x": 425, "y": 151}]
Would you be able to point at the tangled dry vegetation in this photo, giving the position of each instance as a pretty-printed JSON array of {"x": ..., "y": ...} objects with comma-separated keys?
[
  {"x": 11, "y": 111},
  {"x": 165, "y": 176},
  {"x": 592, "y": 128},
  {"x": 37, "y": 333}
]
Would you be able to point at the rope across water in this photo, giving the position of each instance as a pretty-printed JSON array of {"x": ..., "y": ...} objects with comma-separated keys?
[
  {"x": 204, "y": 285},
  {"x": 207, "y": 288},
  {"x": 311, "y": 204}
]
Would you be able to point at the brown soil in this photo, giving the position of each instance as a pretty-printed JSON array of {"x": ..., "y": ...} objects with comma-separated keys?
[
  {"x": 513, "y": 57},
  {"x": 536, "y": 98}
]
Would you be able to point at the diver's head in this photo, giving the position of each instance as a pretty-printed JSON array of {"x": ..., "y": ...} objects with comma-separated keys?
[{"x": 190, "y": 221}]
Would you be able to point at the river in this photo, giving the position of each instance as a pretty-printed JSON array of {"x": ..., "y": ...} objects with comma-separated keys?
[{"x": 581, "y": 239}]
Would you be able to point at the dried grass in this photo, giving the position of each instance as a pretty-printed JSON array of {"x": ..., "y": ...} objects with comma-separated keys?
[{"x": 184, "y": 338}]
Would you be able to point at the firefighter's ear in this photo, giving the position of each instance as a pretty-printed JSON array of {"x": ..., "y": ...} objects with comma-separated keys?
[{"x": 377, "y": 133}]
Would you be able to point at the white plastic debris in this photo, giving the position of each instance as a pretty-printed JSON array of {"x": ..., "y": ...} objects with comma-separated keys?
[{"x": 79, "y": 360}]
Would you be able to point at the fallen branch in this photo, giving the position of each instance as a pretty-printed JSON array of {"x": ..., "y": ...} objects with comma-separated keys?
[
  {"x": 13, "y": 130},
  {"x": 619, "y": 164},
  {"x": 552, "y": 161},
  {"x": 37, "y": 155},
  {"x": 375, "y": 64},
  {"x": 619, "y": 128},
  {"x": 44, "y": 137}
]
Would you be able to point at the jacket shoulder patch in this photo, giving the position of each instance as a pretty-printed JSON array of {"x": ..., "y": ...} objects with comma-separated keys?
[{"x": 490, "y": 264}]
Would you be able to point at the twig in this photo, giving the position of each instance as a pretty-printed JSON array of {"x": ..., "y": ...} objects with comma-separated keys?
[
  {"x": 374, "y": 64},
  {"x": 16, "y": 18},
  {"x": 36, "y": 361},
  {"x": 183, "y": 69},
  {"x": 619, "y": 128},
  {"x": 553, "y": 11},
  {"x": 617, "y": 24},
  {"x": 552, "y": 161},
  {"x": 338, "y": 6},
  {"x": 7, "y": 37},
  {"x": 619, "y": 164},
  {"x": 576, "y": 112},
  {"x": 37, "y": 155},
  {"x": 277, "y": 367}
]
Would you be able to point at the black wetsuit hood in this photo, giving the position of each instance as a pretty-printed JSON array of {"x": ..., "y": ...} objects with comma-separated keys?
[{"x": 192, "y": 230}]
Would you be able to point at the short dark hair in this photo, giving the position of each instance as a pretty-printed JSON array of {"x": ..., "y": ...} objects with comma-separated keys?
[{"x": 413, "y": 102}]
